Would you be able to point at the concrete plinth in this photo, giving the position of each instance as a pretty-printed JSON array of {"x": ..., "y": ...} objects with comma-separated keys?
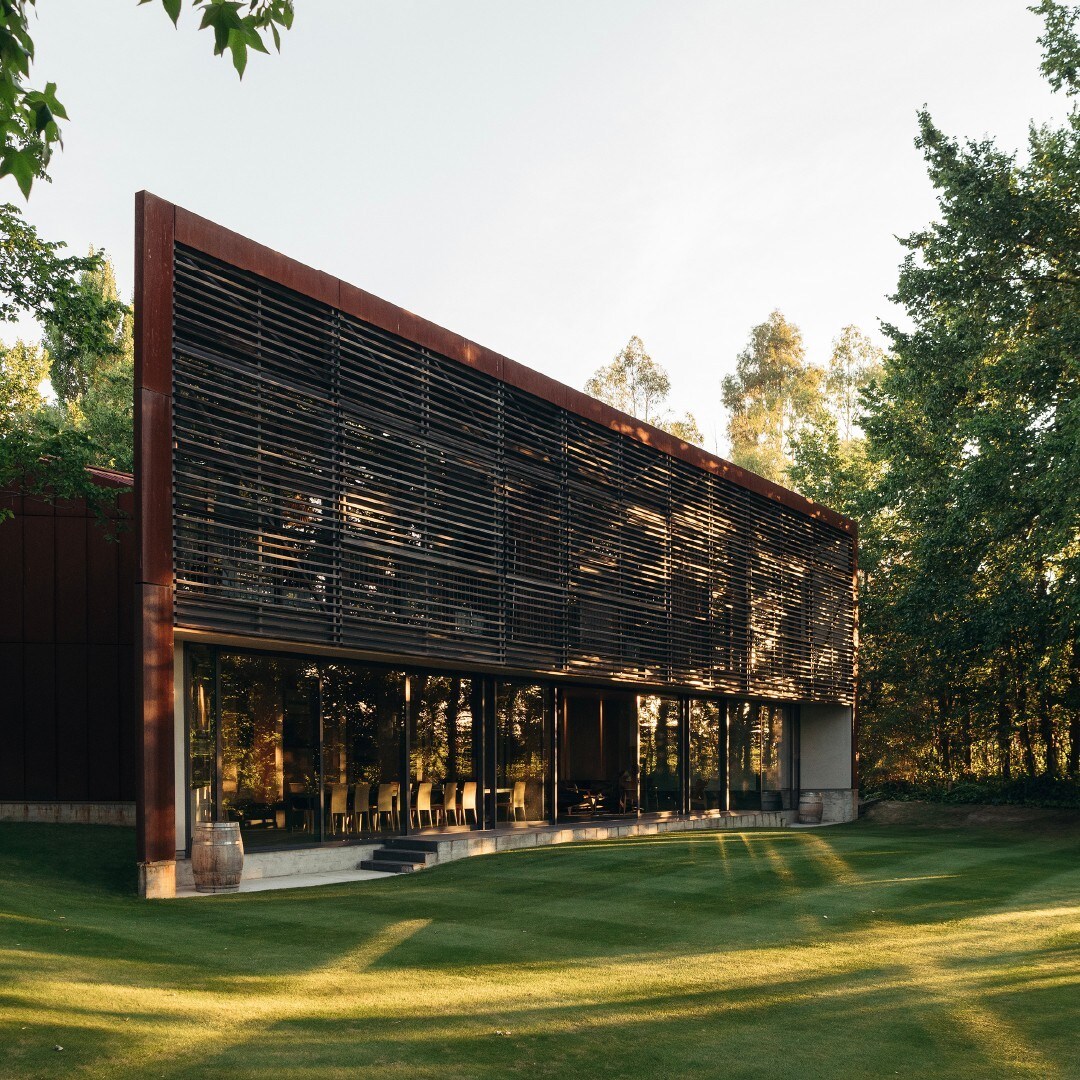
[{"x": 157, "y": 880}]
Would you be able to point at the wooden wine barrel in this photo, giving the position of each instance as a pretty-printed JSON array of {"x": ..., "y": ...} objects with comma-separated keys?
[
  {"x": 217, "y": 857},
  {"x": 810, "y": 807},
  {"x": 772, "y": 800}
]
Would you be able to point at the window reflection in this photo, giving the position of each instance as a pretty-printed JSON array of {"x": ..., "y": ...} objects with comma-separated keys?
[
  {"x": 708, "y": 788},
  {"x": 658, "y": 726},
  {"x": 269, "y": 748},
  {"x": 760, "y": 755},
  {"x": 521, "y": 753},
  {"x": 445, "y": 745},
  {"x": 362, "y": 727}
]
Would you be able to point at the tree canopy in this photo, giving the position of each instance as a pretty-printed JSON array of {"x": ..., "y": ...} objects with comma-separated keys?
[
  {"x": 635, "y": 383},
  {"x": 771, "y": 395}
]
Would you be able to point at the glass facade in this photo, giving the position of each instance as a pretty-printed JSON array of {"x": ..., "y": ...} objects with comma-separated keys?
[
  {"x": 363, "y": 712},
  {"x": 659, "y": 756},
  {"x": 304, "y": 750},
  {"x": 598, "y": 758},
  {"x": 707, "y": 746},
  {"x": 445, "y": 749},
  {"x": 522, "y": 739},
  {"x": 760, "y": 743}
]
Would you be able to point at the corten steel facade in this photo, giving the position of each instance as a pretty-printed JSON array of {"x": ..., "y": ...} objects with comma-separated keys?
[
  {"x": 66, "y": 724},
  {"x": 320, "y": 473}
]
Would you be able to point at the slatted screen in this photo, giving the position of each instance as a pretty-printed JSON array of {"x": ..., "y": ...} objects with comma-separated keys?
[{"x": 337, "y": 485}]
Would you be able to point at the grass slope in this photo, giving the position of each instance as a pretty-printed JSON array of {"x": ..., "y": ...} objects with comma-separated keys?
[{"x": 856, "y": 951}]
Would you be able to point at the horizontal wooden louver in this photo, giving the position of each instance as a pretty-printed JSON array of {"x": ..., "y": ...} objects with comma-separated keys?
[{"x": 340, "y": 486}]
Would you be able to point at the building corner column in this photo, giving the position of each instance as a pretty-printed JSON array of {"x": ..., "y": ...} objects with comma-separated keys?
[{"x": 155, "y": 812}]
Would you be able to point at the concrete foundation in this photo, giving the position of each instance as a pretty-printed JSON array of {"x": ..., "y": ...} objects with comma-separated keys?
[
  {"x": 839, "y": 804},
  {"x": 451, "y": 844},
  {"x": 157, "y": 880}
]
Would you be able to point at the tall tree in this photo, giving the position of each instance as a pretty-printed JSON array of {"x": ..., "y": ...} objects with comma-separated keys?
[
  {"x": 635, "y": 383},
  {"x": 45, "y": 450},
  {"x": 973, "y": 589},
  {"x": 772, "y": 394}
]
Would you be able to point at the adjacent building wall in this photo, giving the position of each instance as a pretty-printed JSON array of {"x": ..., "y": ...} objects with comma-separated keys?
[{"x": 67, "y": 725}]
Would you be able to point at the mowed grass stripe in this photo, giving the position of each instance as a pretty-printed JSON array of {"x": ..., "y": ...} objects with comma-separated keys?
[{"x": 860, "y": 951}]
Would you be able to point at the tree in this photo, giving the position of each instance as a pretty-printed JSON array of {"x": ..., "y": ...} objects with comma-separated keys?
[
  {"x": 973, "y": 583},
  {"x": 45, "y": 449},
  {"x": 636, "y": 384},
  {"x": 854, "y": 363},
  {"x": 30, "y": 119},
  {"x": 772, "y": 394},
  {"x": 23, "y": 368}
]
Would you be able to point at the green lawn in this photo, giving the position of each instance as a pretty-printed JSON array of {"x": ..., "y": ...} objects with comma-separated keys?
[{"x": 856, "y": 951}]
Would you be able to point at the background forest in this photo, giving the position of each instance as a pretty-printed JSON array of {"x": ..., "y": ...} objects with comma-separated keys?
[{"x": 957, "y": 448}]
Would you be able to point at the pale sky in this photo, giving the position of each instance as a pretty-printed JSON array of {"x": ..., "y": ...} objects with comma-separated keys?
[{"x": 549, "y": 177}]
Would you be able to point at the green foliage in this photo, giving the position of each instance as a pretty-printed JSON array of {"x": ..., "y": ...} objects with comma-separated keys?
[
  {"x": 773, "y": 394},
  {"x": 988, "y": 791},
  {"x": 972, "y": 587},
  {"x": 45, "y": 448},
  {"x": 35, "y": 277},
  {"x": 30, "y": 118},
  {"x": 635, "y": 383}
]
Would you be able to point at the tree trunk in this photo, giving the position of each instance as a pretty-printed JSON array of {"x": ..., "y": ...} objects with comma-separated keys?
[
  {"x": 1004, "y": 726},
  {"x": 1046, "y": 731}
]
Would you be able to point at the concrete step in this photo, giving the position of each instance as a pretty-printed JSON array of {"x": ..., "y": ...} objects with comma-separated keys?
[
  {"x": 391, "y": 866},
  {"x": 406, "y": 854},
  {"x": 411, "y": 843}
]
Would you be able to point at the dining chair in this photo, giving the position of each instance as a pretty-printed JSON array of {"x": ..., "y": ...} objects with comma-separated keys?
[
  {"x": 449, "y": 802},
  {"x": 387, "y": 804},
  {"x": 339, "y": 808},
  {"x": 517, "y": 802},
  {"x": 423, "y": 804},
  {"x": 361, "y": 805},
  {"x": 468, "y": 802}
]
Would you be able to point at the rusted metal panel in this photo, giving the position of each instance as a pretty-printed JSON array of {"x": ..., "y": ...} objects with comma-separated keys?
[
  {"x": 155, "y": 239},
  {"x": 154, "y": 453},
  {"x": 71, "y": 578},
  {"x": 103, "y": 721},
  {"x": 11, "y": 577},
  {"x": 39, "y": 577},
  {"x": 72, "y": 735},
  {"x": 154, "y": 702},
  {"x": 12, "y": 723},
  {"x": 39, "y": 718}
]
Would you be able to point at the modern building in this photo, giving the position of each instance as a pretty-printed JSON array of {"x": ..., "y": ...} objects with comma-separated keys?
[{"x": 387, "y": 580}]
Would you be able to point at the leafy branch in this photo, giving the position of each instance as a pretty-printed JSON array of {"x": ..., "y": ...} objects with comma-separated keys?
[{"x": 30, "y": 118}]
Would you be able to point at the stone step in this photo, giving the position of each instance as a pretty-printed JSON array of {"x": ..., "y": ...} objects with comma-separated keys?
[
  {"x": 412, "y": 843},
  {"x": 391, "y": 866},
  {"x": 406, "y": 854}
]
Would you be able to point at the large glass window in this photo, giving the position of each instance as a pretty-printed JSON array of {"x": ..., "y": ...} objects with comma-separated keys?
[
  {"x": 444, "y": 743},
  {"x": 522, "y": 736},
  {"x": 269, "y": 778},
  {"x": 597, "y": 755},
  {"x": 708, "y": 787},
  {"x": 362, "y": 715},
  {"x": 658, "y": 751},
  {"x": 296, "y": 751},
  {"x": 202, "y": 736},
  {"x": 760, "y": 755}
]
